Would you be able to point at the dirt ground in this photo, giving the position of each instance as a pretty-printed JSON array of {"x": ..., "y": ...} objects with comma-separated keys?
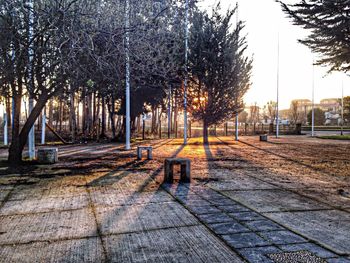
[{"x": 249, "y": 201}]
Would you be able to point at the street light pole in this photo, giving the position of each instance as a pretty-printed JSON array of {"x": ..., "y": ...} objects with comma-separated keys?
[
  {"x": 127, "y": 75},
  {"x": 169, "y": 112},
  {"x": 186, "y": 73},
  {"x": 278, "y": 84},
  {"x": 342, "y": 108},
  {"x": 43, "y": 126},
  {"x": 5, "y": 129},
  {"x": 313, "y": 101},
  {"x": 31, "y": 139},
  {"x": 236, "y": 117}
]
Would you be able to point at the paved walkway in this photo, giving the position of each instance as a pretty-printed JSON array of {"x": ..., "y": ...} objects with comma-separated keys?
[{"x": 249, "y": 201}]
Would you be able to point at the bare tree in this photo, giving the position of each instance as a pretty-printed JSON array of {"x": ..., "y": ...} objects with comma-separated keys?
[{"x": 294, "y": 112}]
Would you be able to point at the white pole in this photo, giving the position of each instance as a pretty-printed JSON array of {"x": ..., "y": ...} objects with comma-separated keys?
[
  {"x": 43, "y": 126},
  {"x": 127, "y": 75},
  {"x": 236, "y": 119},
  {"x": 31, "y": 139},
  {"x": 5, "y": 129},
  {"x": 313, "y": 101},
  {"x": 278, "y": 84},
  {"x": 169, "y": 113},
  {"x": 342, "y": 107},
  {"x": 186, "y": 74}
]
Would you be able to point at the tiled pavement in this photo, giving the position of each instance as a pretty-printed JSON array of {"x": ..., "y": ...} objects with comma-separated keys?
[
  {"x": 249, "y": 233},
  {"x": 125, "y": 216}
]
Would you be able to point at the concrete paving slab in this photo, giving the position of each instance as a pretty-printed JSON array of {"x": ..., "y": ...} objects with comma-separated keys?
[
  {"x": 231, "y": 227},
  {"x": 68, "y": 251},
  {"x": 125, "y": 219},
  {"x": 330, "y": 227},
  {"x": 126, "y": 181},
  {"x": 184, "y": 244},
  {"x": 275, "y": 200},
  {"x": 201, "y": 210},
  {"x": 198, "y": 202},
  {"x": 110, "y": 198},
  {"x": 241, "y": 183},
  {"x": 283, "y": 237},
  {"x": 37, "y": 192},
  {"x": 259, "y": 254},
  {"x": 214, "y": 218},
  {"x": 223, "y": 201},
  {"x": 210, "y": 195},
  {"x": 338, "y": 197},
  {"x": 245, "y": 240},
  {"x": 247, "y": 216},
  {"x": 45, "y": 204},
  {"x": 263, "y": 225},
  {"x": 233, "y": 208},
  {"x": 47, "y": 226}
]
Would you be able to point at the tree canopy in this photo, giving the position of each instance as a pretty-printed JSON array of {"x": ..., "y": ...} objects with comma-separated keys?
[
  {"x": 329, "y": 25},
  {"x": 76, "y": 50},
  {"x": 219, "y": 70}
]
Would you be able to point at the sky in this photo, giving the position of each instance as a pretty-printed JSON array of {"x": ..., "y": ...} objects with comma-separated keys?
[{"x": 264, "y": 22}]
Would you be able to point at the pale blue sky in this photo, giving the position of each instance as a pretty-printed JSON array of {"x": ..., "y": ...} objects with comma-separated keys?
[{"x": 264, "y": 19}]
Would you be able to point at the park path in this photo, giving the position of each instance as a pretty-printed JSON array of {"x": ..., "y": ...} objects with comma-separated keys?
[{"x": 249, "y": 201}]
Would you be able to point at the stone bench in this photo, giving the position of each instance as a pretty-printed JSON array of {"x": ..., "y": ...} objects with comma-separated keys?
[
  {"x": 47, "y": 155},
  {"x": 263, "y": 138},
  {"x": 146, "y": 148},
  {"x": 185, "y": 165}
]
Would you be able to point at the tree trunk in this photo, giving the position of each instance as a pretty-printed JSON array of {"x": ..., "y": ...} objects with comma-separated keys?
[
  {"x": 94, "y": 110},
  {"x": 111, "y": 116},
  {"x": 72, "y": 119},
  {"x": 8, "y": 111},
  {"x": 61, "y": 114},
  {"x": 205, "y": 132},
  {"x": 78, "y": 117},
  {"x": 50, "y": 112},
  {"x": 103, "y": 118},
  {"x": 18, "y": 142},
  {"x": 16, "y": 114}
]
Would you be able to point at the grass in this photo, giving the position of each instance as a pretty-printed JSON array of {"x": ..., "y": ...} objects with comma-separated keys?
[{"x": 335, "y": 137}]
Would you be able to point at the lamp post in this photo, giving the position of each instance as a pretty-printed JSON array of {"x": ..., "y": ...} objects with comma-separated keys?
[
  {"x": 31, "y": 137},
  {"x": 236, "y": 117},
  {"x": 342, "y": 108},
  {"x": 278, "y": 84},
  {"x": 313, "y": 101},
  {"x": 43, "y": 126},
  {"x": 5, "y": 129},
  {"x": 127, "y": 75},
  {"x": 186, "y": 73}
]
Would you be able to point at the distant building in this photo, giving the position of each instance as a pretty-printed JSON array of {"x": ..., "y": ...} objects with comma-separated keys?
[{"x": 331, "y": 107}]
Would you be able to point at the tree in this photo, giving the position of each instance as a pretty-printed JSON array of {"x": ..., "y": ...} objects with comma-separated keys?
[
  {"x": 346, "y": 102},
  {"x": 319, "y": 116},
  {"x": 77, "y": 46},
  {"x": 34, "y": 55},
  {"x": 271, "y": 111},
  {"x": 254, "y": 116},
  {"x": 328, "y": 21},
  {"x": 294, "y": 113},
  {"x": 243, "y": 117},
  {"x": 219, "y": 71}
]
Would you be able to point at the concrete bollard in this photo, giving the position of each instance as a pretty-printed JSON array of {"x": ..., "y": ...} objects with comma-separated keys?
[
  {"x": 263, "y": 138},
  {"x": 48, "y": 155},
  {"x": 149, "y": 152},
  {"x": 185, "y": 165}
]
